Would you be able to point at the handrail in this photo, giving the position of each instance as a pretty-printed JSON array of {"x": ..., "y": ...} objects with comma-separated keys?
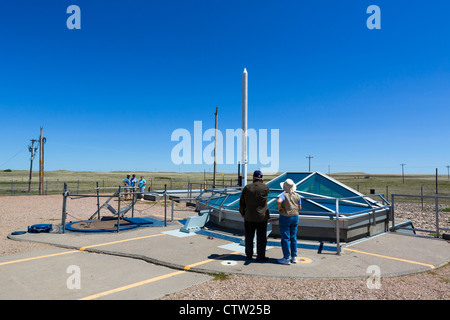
[
  {"x": 420, "y": 196},
  {"x": 436, "y": 198},
  {"x": 337, "y": 216},
  {"x": 330, "y": 199}
]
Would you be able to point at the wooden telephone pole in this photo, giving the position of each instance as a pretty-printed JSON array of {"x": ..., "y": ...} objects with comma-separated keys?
[
  {"x": 41, "y": 164},
  {"x": 309, "y": 161},
  {"x": 32, "y": 150}
]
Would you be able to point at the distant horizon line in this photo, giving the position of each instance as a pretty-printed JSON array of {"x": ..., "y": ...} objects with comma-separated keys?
[{"x": 220, "y": 172}]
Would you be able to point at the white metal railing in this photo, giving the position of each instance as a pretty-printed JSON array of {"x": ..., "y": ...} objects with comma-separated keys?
[
  {"x": 336, "y": 214},
  {"x": 436, "y": 198}
]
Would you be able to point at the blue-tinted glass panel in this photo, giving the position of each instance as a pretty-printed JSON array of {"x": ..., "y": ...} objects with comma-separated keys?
[
  {"x": 275, "y": 184},
  {"x": 216, "y": 200},
  {"x": 306, "y": 207},
  {"x": 297, "y": 176},
  {"x": 232, "y": 198},
  {"x": 273, "y": 195},
  {"x": 344, "y": 208},
  {"x": 311, "y": 207},
  {"x": 294, "y": 176},
  {"x": 319, "y": 185}
]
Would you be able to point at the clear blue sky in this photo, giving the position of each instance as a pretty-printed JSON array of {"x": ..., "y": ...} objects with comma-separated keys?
[{"x": 110, "y": 95}]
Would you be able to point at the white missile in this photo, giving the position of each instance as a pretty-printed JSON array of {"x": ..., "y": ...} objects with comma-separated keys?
[{"x": 244, "y": 126}]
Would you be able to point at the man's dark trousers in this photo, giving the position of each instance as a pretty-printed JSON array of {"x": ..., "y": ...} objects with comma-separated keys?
[{"x": 261, "y": 239}]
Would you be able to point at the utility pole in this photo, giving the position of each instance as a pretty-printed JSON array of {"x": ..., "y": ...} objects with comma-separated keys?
[
  {"x": 41, "y": 164},
  {"x": 309, "y": 158},
  {"x": 32, "y": 150},
  {"x": 436, "y": 182},
  {"x": 215, "y": 149},
  {"x": 403, "y": 171}
]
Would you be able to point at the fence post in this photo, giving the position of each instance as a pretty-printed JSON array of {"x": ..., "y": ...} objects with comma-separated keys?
[
  {"x": 132, "y": 203},
  {"x": 171, "y": 217},
  {"x": 338, "y": 236},
  {"x": 165, "y": 205},
  {"x": 63, "y": 218},
  {"x": 98, "y": 203},
  {"x": 392, "y": 213},
  {"x": 436, "y": 203},
  {"x": 421, "y": 195},
  {"x": 118, "y": 211}
]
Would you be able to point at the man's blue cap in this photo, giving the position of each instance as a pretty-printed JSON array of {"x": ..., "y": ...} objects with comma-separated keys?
[{"x": 257, "y": 174}]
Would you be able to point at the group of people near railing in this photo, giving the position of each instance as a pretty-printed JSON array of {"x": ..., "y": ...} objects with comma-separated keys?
[{"x": 131, "y": 184}]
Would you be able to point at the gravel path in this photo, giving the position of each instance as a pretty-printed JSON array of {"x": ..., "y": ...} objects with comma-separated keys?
[{"x": 19, "y": 212}]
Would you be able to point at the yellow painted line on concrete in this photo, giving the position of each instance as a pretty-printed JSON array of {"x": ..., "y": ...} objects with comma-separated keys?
[
  {"x": 73, "y": 251},
  {"x": 137, "y": 284},
  {"x": 188, "y": 267},
  {"x": 392, "y": 258},
  {"x": 38, "y": 257},
  {"x": 133, "y": 285},
  {"x": 120, "y": 241}
]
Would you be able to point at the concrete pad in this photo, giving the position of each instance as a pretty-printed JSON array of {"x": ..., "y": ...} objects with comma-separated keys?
[
  {"x": 237, "y": 247},
  {"x": 51, "y": 275},
  {"x": 394, "y": 254},
  {"x": 401, "y": 254},
  {"x": 177, "y": 233}
]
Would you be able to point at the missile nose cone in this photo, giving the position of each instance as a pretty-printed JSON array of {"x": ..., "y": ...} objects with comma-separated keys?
[{"x": 245, "y": 70}]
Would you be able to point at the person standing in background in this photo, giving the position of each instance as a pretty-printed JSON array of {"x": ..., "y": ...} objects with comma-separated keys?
[
  {"x": 141, "y": 184},
  {"x": 126, "y": 183}
]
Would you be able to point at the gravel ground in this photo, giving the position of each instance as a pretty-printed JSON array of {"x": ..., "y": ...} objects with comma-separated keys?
[{"x": 19, "y": 212}]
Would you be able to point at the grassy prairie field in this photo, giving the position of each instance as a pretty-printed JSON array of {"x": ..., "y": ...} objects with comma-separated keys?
[{"x": 16, "y": 182}]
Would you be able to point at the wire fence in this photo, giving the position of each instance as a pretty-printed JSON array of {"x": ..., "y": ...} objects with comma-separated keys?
[
  {"x": 427, "y": 214},
  {"x": 21, "y": 187}
]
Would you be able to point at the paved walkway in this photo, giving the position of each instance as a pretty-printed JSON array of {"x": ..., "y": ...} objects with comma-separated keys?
[{"x": 120, "y": 269}]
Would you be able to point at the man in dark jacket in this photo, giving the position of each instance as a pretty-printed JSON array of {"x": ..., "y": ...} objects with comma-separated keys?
[{"x": 254, "y": 210}]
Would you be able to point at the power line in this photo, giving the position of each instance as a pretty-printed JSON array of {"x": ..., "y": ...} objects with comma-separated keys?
[{"x": 20, "y": 151}]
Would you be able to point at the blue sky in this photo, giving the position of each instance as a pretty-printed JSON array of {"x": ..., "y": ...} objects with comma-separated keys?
[{"x": 110, "y": 95}]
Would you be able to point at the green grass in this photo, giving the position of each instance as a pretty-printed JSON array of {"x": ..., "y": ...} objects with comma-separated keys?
[
  {"x": 16, "y": 181},
  {"x": 389, "y": 184}
]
